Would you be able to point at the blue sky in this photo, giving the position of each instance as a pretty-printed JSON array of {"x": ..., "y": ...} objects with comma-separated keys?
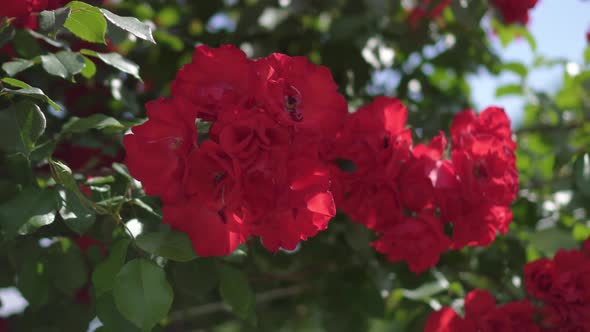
[{"x": 559, "y": 27}]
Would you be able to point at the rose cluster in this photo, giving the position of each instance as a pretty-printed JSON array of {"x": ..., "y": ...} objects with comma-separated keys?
[
  {"x": 482, "y": 314},
  {"x": 409, "y": 194},
  {"x": 266, "y": 148},
  {"x": 562, "y": 288},
  {"x": 559, "y": 293}
]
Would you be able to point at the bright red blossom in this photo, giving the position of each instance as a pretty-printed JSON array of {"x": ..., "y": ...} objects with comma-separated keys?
[
  {"x": 515, "y": 11},
  {"x": 482, "y": 315},
  {"x": 270, "y": 164}
]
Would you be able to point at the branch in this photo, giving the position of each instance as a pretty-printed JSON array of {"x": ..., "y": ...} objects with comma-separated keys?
[{"x": 214, "y": 307}]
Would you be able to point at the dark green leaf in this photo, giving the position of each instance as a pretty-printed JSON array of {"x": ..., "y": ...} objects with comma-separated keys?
[
  {"x": 76, "y": 214},
  {"x": 130, "y": 24},
  {"x": 27, "y": 90},
  {"x": 103, "y": 277},
  {"x": 172, "y": 245},
  {"x": 109, "y": 315},
  {"x": 33, "y": 206},
  {"x": 142, "y": 293},
  {"x": 16, "y": 66},
  {"x": 51, "y": 20},
  {"x": 236, "y": 292},
  {"x": 20, "y": 127},
  {"x": 67, "y": 268},
  {"x": 64, "y": 64},
  {"x": 86, "y": 22},
  {"x": 33, "y": 281}
]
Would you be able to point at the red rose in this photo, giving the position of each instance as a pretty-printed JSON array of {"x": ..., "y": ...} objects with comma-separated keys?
[
  {"x": 375, "y": 141},
  {"x": 586, "y": 246},
  {"x": 418, "y": 241},
  {"x": 207, "y": 228},
  {"x": 445, "y": 320},
  {"x": 215, "y": 79},
  {"x": 539, "y": 277},
  {"x": 482, "y": 315},
  {"x": 157, "y": 150},
  {"x": 515, "y": 11},
  {"x": 301, "y": 95}
]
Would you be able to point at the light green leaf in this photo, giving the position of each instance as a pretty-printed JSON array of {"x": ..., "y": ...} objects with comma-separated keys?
[
  {"x": 516, "y": 67},
  {"x": 236, "y": 292},
  {"x": 509, "y": 89},
  {"x": 130, "y": 24},
  {"x": 550, "y": 240},
  {"x": 142, "y": 293},
  {"x": 64, "y": 64},
  {"x": 103, "y": 277},
  {"x": 86, "y": 22},
  {"x": 117, "y": 61},
  {"x": 582, "y": 173},
  {"x": 172, "y": 245},
  {"x": 16, "y": 66},
  {"x": 89, "y": 69},
  {"x": 33, "y": 206},
  {"x": 27, "y": 90},
  {"x": 96, "y": 121}
]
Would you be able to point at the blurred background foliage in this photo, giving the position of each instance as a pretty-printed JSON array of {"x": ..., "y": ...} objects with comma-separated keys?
[{"x": 334, "y": 282}]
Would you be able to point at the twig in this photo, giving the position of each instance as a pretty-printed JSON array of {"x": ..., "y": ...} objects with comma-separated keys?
[{"x": 210, "y": 308}]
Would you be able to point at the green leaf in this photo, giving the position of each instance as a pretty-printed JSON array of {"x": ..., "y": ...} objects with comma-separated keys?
[
  {"x": 89, "y": 69},
  {"x": 16, "y": 66},
  {"x": 103, "y": 277},
  {"x": 6, "y": 35},
  {"x": 109, "y": 315},
  {"x": 76, "y": 214},
  {"x": 130, "y": 24},
  {"x": 51, "y": 20},
  {"x": 509, "y": 89},
  {"x": 63, "y": 175},
  {"x": 67, "y": 268},
  {"x": 117, "y": 61},
  {"x": 195, "y": 278},
  {"x": 64, "y": 64},
  {"x": 172, "y": 245},
  {"x": 20, "y": 127},
  {"x": 33, "y": 206},
  {"x": 236, "y": 292},
  {"x": 96, "y": 121},
  {"x": 86, "y": 22},
  {"x": 550, "y": 240},
  {"x": 582, "y": 173},
  {"x": 27, "y": 90},
  {"x": 142, "y": 293},
  {"x": 516, "y": 67},
  {"x": 33, "y": 281}
]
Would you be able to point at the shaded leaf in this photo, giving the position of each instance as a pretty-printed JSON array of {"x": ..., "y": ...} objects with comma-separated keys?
[
  {"x": 142, "y": 293},
  {"x": 236, "y": 292},
  {"x": 103, "y": 277},
  {"x": 33, "y": 206},
  {"x": 76, "y": 214},
  {"x": 172, "y": 245},
  {"x": 64, "y": 64},
  {"x": 96, "y": 121},
  {"x": 51, "y": 20},
  {"x": 20, "y": 127}
]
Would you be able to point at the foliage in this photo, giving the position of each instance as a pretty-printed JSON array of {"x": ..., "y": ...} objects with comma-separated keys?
[{"x": 75, "y": 82}]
